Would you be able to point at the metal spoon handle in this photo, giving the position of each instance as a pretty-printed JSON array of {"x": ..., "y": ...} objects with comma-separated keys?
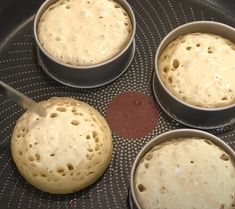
[{"x": 23, "y": 100}]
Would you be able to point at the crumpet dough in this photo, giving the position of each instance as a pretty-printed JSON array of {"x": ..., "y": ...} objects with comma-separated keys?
[
  {"x": 84, "y": 32},
  {"x": 186, "y": 173},
  {"x": 64, "y": 152},
  {"x": 199, "y": 69}
]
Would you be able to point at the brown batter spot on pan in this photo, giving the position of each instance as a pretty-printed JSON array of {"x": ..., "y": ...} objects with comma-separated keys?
[{"x": 132, "y": 114}]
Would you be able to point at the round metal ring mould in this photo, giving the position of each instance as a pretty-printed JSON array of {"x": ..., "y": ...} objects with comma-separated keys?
[
  {"x": 131, "y": 202},
  {"x": 167, "y": 136},
  {"x": 183, "y": 116},
  {"x": 185, "y": 113},
  {"x": 93, "y": 81},
  {"x": 86, "y": 76}
]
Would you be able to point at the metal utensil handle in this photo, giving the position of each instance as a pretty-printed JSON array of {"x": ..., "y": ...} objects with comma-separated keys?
[{"x": 23, "y": 100}]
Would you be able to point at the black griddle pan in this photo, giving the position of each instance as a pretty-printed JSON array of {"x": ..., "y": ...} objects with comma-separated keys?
[{"x": 19, "y": 68}]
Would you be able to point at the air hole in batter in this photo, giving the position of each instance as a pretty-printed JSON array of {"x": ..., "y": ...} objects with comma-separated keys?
[
  {"x": 169, "y": 79},
  {"x": 75, "y": 122},
  {"x": 176, "y": 63},
  {"x": 53, "y": 115},
  {"x": 70, "y": 166},
  {"x": 224, "y": 98},
  {"x": 209, "y": 50},
  {"x": 149, "y": 157},
  {"x": 37, "y": 157},
  {"x": 61, "y": 109},
  {"x": 146, "y": 165},
  {"x": 31, "y": 158},
  {"x": 60, "y": 170},
  {"x": 43, "y": 175},
  {"x": 224, "y": 157},
  {"x": 141, "y": 188},
  {"x": 96, "y": 139},
  {"x": 97, "y": 147},
  {"x": 89, "y": 149},
  {"x": 94, "y": 134},
  {"x": 165, "y": 69}
]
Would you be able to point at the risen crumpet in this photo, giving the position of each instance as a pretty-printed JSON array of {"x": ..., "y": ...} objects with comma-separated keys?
[
  {"x": 84, "y": 32},
  {"x": 187, "y": 173},
  {"x": 64, "y": 152},
  {"x": 198, "y": 68}
]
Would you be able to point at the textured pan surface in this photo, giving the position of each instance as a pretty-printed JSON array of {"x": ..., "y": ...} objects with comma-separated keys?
[{"x": 19, "y": 68}]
